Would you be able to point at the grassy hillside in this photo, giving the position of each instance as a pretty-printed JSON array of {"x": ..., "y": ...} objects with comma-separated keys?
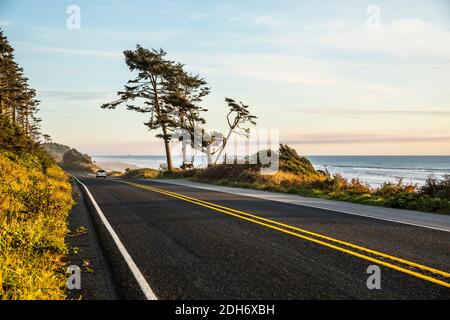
[
  {"x": 70, "y": 159},
  {"x": 35, "y": 199},
  {"x": 296, "y": 175},
  {"x": 55, "y": 150}
]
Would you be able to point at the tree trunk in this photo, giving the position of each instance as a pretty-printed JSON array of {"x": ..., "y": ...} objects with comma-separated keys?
[
  {"x": 27, "y": 124},
  {"x": 224, "y": 145},
  {"x": 167, "y": 147},
  {"x": 13, "y": 115},
  {"x": 209, "y": 156},
  {"x": 184, "y": 151}
]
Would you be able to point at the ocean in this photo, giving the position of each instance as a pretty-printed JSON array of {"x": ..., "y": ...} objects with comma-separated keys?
[{"x": 372, "y": 169}]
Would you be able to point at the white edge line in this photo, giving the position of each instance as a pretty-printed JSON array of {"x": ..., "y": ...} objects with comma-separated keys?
[
  {"x": 306, "y": 205},
  {"x": 148, "y": 292}
]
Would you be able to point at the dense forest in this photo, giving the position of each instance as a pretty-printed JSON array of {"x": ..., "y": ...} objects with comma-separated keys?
[
  {"x": 35, "y": 194},
  {"x": 18, "y": 100}
]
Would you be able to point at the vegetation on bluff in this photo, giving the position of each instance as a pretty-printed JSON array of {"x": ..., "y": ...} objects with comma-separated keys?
[
  {"x": 35, "y": 195},
  {"x": 70, "y": 159},
  {"x": 296, "y": 175},
  {"x": 35, "y": 199}
]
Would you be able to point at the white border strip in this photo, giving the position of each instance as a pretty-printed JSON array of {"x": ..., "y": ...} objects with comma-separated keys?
[
  {"x": 148, "y": 292},
  {"x": 237, "y": 192}
]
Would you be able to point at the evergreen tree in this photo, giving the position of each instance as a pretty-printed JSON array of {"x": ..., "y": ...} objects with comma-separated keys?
[
  {"x": 17, "y": 100},
  {"x": 238, "y": 119},
  {"x": 186, "y": 91},
  {"x": 148, "y": 92}
]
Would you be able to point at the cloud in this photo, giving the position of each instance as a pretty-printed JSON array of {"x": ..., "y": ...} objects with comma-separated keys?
[
  {"x": 69, "y": 51},
  {"x": 358, "y": 112},
  {"x": 264, "y": 20},
  {"x": 74, "y": 96},
  {"x": 404, "y": 38},
  {"x": 5, "y": 23},
  {"x": 358, "y": 138},
  {"x": 93, "y": 38},
  {"x": 289, "y": 69}
]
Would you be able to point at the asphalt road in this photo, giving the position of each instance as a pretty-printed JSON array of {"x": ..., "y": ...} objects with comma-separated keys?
[{"x": 188, "y": 249}]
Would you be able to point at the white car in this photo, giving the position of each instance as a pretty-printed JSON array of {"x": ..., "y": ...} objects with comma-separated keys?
[{"x": 101, "y": 174}]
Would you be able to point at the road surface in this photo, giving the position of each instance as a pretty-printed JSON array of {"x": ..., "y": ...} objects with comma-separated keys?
[{"x": 190, "y": 243}]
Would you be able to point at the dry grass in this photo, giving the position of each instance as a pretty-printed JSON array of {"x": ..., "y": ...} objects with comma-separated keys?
[
  {"x": 144, "y": 173},
  {"x": 433, "y": 197},
  {"x": 34, "y": 205}
]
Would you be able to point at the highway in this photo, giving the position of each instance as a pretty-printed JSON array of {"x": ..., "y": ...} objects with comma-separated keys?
[{"x": 190, "y": 243}]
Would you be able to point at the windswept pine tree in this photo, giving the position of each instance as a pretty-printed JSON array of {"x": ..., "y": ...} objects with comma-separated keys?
[
  {"x": 17, "y": 100},
  {"x": 165, "y": 91},
  {"x": 239, "y": 119},
  {"x": 186, "y": 91},
  {"x": 147, "y": 91}
]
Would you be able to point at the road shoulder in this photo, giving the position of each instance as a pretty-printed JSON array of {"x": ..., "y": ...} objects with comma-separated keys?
[{"x": 85, "y": 252}]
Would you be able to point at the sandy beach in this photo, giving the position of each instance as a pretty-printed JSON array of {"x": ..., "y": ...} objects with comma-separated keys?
[{"x": 115, "y": 166}]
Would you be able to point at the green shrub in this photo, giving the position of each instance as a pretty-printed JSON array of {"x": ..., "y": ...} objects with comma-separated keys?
[
  {"x": 392, "y": 189},
  {"x": 438, "y": 188},
  {"x": 241, "y": 172},
  {"x": 290, "y": 161}
]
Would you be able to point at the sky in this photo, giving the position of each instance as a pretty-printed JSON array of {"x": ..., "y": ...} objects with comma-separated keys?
[{"x": 336, "y": 78}]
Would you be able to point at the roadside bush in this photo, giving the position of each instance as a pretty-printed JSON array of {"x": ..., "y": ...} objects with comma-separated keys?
[
  {"x": 143, "y": 173},
  {"x": 430, "y": 198},
  {"x": 34, "y": 206},
  {"x": 391, "y": 189},
  {"x": 415, "y": 201},
  {"x": 339, "y": 183},
  {"x": 114, "y": 174},
  {"x": 241, "y": 172},
  {"x": 178, "y": 173},
  {"x": 437, "y": 188},
  {"x": 356, "y": 186}
]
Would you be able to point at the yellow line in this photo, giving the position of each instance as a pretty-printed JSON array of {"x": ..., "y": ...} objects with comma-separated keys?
[
  {"x": 384, "y": 255},
  {"x": 229, "y": 211}
]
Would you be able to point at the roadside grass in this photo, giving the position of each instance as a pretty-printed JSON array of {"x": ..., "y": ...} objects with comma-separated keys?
[
  {"x": 434, "y": 196},
  {"x": 35, "y": 200},
  {"x": 144, "y": 173},
  {"x": 395, "y": 195}
]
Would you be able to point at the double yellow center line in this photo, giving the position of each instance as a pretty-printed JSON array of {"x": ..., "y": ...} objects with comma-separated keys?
[{"x": 408, "y": 267}]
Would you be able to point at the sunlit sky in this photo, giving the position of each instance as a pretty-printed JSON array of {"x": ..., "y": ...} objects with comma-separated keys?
[{"x": 315, "y": 70}]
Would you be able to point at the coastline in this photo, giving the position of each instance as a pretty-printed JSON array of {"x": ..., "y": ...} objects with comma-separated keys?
[
  {"x": 374, "y": 170},
  {"x": 115, "y": 165}
]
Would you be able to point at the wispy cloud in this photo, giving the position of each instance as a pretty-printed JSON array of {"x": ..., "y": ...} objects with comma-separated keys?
[
  {"x": 5, "y": 23},
  {"x": 74, "y": 96},
  {"x": 264, "y": 20},
  {"x": 363, "y": 111},
  {"x": 406, "y": 38},
  {"x": 290, "y": 69},
  {"x": 357, "y": 138},
  {"x": 68, "y": 51}
]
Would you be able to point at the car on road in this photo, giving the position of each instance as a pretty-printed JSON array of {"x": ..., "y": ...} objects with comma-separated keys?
[{"x": 101, "y": 174}]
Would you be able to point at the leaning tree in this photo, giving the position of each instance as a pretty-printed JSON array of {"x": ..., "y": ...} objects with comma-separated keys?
[
  {"x": 186, "y": 92},
  {"x": 239, "y": 119},
  {"x": 148, "y": 92}
]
